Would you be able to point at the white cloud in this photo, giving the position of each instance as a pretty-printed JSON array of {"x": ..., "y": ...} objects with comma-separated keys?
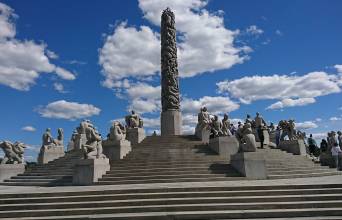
[
  {"x": 151, "y": 122},
  {"x": 215, "y": 105},
  {"x": 204, "y": 43},
  {"x": 64, "y": 74},
  {"x": 7, "y": 25},
  {"x": 278, "y": 32},
  {"x": 306, "y": 125},
  {"x": 68, "y": 110},
  {"x": 318, "y": 136},
  {"x": 335, "y": 119},
  {"x": 338, "y": 68},
  {"x": 130, "y": 52},
  {"x": 59, "y": 87},
  {"x": 21, "y": 62},
  {"x": 252, "y": 88},
  {"x": 291, "y": 103},
  {"x": 28, "y": 128},
  {"x": 254, "y": 30},
  {"x": 318, "y": 119}
]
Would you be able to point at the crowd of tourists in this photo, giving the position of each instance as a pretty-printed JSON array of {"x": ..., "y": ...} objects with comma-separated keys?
[{"x": 331, "y": 145}]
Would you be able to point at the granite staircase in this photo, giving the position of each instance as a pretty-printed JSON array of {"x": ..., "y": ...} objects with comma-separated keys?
[
  {"x": 185, "y": 159},
  {"x": 58, "y": 172},
  {"x": 169, "y": 159},
  {"x": 301, "y": 201},
  {"x": 283, "y": 165}
]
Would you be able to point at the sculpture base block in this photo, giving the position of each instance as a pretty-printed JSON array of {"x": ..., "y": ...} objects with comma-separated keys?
[
  {"x": 116, "y": 150},
  {"x": 250, "y": 164},
  {"x": 224, "y": 146},
  {"x": 135, "y": 135},
  {"x": 171, "y": 123},
  {"x": 293, "y": 146},
  {"x": 204, "y": 135},
  {"x": 9, "y": 170},
  {"x": 89, "y": 171},
  {"x": 50, "y": 153}
]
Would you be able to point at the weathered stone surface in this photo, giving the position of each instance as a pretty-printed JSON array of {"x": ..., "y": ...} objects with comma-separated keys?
[
  {"x": 80, "y": 140},
  {"x": 225, "y": 146},
  {"x": 293, "y": 146},
  {"x": 135, "y": 135},
  {"x": 250, "y": 164},
  {"x": 171, "y": 123},
  {"x": 116, "y": 150},
  {"x": 88, "y": 171},
  {"x": 14, "y": 152},
  {"x": 50, "y": 153},
  {"x": 9, "y": 170},
  {"x": 203, "y": 135},
  {"x": 169, "y": 66}
]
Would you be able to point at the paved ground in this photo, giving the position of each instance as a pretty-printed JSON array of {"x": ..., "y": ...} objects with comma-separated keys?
[{"x": 336, "y": 179}]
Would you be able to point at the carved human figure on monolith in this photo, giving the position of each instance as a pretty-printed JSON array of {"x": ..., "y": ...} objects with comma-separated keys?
[
  {"x": 14, "y": 152},
  {"x": 171, "y": 116},
  {"x": 47, "y": 138},
  {"x": 133, "y": 120},
  {"x": 226, "y": 126},
  {"x": 49, "y": 141},
  {"x": 248, "y": 142},
  {"x": 216, "y": 127},
  {"x": 117, "y": 132},
  {"x": 93, "y": 145},
  {"x": 204, "y": 121}
]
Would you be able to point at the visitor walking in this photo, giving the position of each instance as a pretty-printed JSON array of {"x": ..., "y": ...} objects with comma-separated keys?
[
  {"x": 324, "y": 145},
  {"x": 312, "y": 145},
  {"x": 336, "y": 152}
]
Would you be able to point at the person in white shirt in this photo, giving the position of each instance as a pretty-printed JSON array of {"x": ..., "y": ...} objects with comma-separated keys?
[{"x": 336, "y": 152}]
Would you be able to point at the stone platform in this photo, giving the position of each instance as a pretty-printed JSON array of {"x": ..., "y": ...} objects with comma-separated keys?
[
  {"x": 9, "y": 170},
  {"x": 50, "y": 153}
]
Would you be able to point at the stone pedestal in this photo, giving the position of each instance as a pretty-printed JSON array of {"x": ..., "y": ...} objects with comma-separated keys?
[
  {"x": 89, "y": 171},
  {"x": 116, "y": 150},
  {"x": 135, "y": 135},
  {"x": 250, "y": 164},
  {"x": 50, "y": 153},
  {"x": 224, "y": 146},
  {"x": 171, "y": 123},
  {"x": 9, "y": 170},
  {"x": 293, "y": 146},
  {"x": 203, "y": 135}
]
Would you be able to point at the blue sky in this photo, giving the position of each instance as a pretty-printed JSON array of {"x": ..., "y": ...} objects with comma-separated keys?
[{"x": 62, "y": 61}]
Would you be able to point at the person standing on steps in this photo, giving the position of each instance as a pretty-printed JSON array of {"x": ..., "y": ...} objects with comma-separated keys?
[
  {"x": 259, "y": 126},
  {"x": 312, "y": 145}
]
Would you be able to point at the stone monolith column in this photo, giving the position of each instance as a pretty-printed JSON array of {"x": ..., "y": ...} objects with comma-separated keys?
[{"x": 171, "y": 119}]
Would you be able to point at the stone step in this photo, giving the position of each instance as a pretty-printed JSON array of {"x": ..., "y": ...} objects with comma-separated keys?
[
  {"x": 164, "y": 176},
  {"x": 235, "y": 190},
  {"x": 283, "y": 172},
  {"x": 320, "y": 214},
  {"x": 41, "y": 177},
  {"x": 167, "y": 172},
  {"x": 169, "y": 201},
  {"x": 169, "y": 180},
  {"x": 313, "y": 174},
  {"x": 237, "y": 210}
]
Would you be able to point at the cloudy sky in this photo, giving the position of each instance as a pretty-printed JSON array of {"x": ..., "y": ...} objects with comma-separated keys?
[{"x": 63, "y": 61}]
